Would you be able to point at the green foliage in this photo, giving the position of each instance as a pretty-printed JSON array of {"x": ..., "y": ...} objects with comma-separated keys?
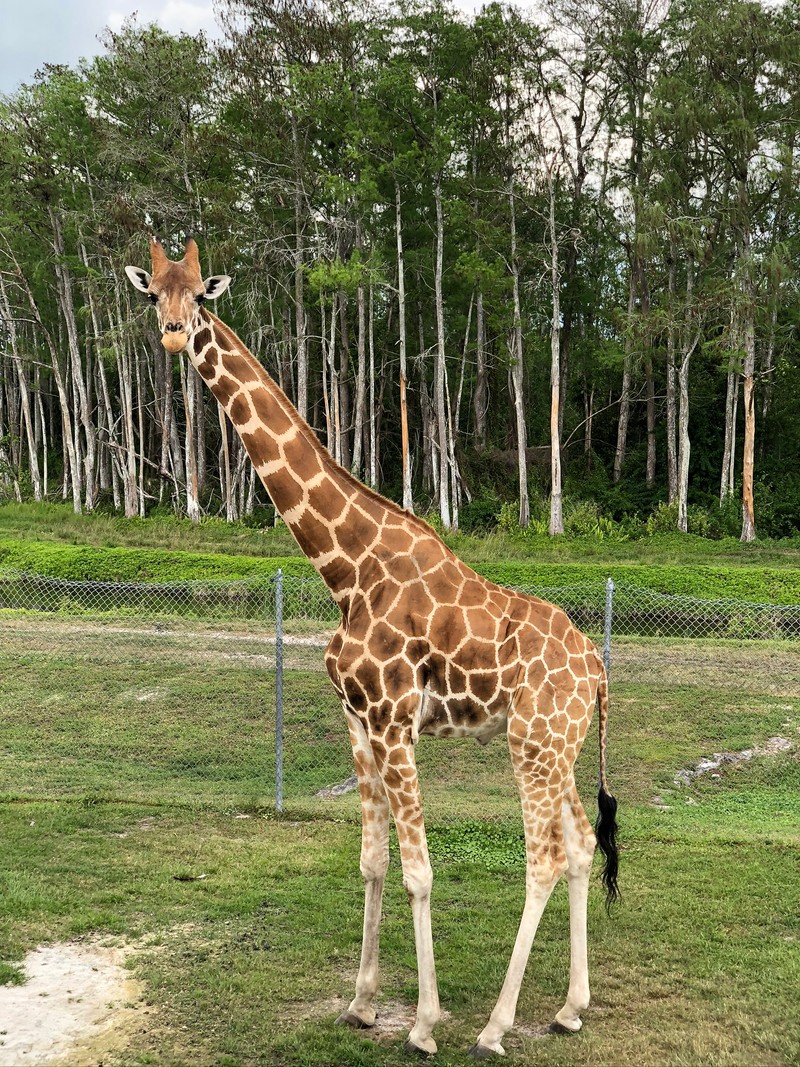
[
  {"x": 80, "y": 563},
  {"x": 584, "y": 518},
  {"x": 291, "y": 138},
  {"x": 11, "y": 975},
  {"x": 493, "y": 846},
  {"x": 84, "y": 563},
  {"x": 479, "y": 515}
]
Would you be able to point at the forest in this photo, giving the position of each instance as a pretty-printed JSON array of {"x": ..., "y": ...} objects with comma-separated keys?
[{"x": 533, "y": 268}]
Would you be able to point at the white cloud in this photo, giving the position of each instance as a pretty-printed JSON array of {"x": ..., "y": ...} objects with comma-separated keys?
[
  {"x": 36, "y": 32},
  {"x": 176, "y": 16}
]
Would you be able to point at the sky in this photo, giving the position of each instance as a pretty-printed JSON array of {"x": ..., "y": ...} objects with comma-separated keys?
[{"x": 35, "y": 32}]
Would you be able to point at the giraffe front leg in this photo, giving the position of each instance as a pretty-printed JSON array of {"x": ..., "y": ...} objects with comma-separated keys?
[
  {"x": 395, "y": 759},
  {"x": 374, "y": 862},
  {"x": 579, "y": 843}
]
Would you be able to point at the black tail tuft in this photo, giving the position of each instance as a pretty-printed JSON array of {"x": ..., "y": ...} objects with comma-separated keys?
[{"x": 606, "y": 832}]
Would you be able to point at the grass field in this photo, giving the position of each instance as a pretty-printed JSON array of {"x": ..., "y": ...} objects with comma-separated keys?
[
  {"x": 137, "y": 805},
  {"x": 252, "y": 963},
  {"x": 58, "y": 523}
]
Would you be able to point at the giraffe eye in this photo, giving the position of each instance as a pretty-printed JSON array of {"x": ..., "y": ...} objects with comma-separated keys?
[
  {"x": 153, "y": 298},
  {"x": 200, "y": 298}
]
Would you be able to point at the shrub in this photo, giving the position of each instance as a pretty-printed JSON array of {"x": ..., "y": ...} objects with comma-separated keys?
[
  {"x": 584, "y": 518},
  {"x": 508, "y": 517},
  {"x": 539, "y": 523},
  {"x": 480, "y": 514}
]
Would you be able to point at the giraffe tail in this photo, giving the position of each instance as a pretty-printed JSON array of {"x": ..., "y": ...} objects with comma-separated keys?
[{"x": 606, "y": 826}]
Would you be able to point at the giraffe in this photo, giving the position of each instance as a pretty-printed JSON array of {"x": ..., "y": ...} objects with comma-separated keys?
[{"x": 425, "y": 647}]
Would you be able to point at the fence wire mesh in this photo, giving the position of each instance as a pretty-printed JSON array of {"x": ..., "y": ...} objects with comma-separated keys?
[{"x": 167, "y": 692}]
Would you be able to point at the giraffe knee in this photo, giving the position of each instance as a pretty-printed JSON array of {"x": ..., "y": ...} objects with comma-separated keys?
[
  {"x": 418, "y": 881},
  {"x": 546, "y": 862},
  {"x": 374, "y": 863}
]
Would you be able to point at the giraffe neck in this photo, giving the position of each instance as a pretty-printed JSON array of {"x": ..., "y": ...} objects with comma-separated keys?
[{"x": 335, "y": 519}]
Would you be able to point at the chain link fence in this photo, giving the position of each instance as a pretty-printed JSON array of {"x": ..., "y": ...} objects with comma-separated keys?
[{"x": 215, "y": 693}]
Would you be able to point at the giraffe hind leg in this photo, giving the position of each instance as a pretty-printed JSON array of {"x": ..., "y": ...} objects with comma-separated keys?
[
  {"x": 541, "y": 774},
  {"x": 579, "y": 844}
]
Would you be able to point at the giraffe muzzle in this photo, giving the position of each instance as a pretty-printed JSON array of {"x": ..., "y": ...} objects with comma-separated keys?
[{"x": 174, "y": 341}]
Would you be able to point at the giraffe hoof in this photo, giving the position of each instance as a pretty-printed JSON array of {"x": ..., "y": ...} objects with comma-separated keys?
[
  {"x": 420, "y": 1050},
  {"x": 483, "y": 1052},
  {"x": 349, "y": 1018},
  {"x": 559, "y": 1028}
]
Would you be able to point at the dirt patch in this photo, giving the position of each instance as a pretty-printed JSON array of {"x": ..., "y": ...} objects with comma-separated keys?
[
  {"x": 76, "y": 1007},
  {"x": 395, "y": 1018},
  {"x": 712, "y": 764}
]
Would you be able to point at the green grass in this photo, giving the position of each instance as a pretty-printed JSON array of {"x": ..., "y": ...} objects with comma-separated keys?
[
  {"x": 58, "y": 523},
  {"x": 186, "y": 715},
  {"x": 50, "y": 540},
  {"x": 251, "y": 964},
  {"x": 129, "y": 753}
]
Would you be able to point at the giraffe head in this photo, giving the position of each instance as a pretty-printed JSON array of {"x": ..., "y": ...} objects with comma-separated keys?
[{"x": 177, "y": 289}]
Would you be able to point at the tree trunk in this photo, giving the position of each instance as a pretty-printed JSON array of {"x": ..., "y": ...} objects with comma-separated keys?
[
  {"x": 748, "y": 507},
  {"x": 140, "y": 410},
  {"x": 684, "y": 445},
  {"x": 71, "y": 468},
  {"x": 588, "y": 420},
  {"x": 480, "y": 396},
  {"x": 644, "y": 311},
  {"x": 299, "y": 300},
  {"x": 748, "y": 341},
  {"x": 556, "y": 512},
  {"x": 361, "y": 375},
  {"x": 769, "y": 362},
  {"x": 24, "y": 393},
  {"x": 187, "y": 389},
  {"x": 408, "y": 501},
  {"x": 517, "y": 376},
  {"x": 113, "y": 445},
  {"x": 41, "y": 434},
  {"x": 199, "y": 409},
  {"x": 344, "y": 380},
  {"x": 440, "y": 369},
  {"x": 225, "y": 472},
  {"x": 373, "y": 451},
  {"x": 731, "y": 404},
  {"x": 672, "y": 448},
  {"x": 67, "y": 305},
  {"x": 625, "y": 394},
  {"x": 122, "y": 354}
]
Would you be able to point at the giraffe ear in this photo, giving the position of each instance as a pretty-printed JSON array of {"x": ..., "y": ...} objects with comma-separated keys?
[
  {"x": 216, "y": 285},
  {"x": 140, "y": 279}
]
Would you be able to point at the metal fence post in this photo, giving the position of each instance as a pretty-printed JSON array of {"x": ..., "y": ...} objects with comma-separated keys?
[
  {"x": 279, "y": 691},
  {"x": 607, "y": 624}
]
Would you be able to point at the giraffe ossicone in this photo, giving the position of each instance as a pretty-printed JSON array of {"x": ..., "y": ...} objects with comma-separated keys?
[{"x": 425, "y": 646}]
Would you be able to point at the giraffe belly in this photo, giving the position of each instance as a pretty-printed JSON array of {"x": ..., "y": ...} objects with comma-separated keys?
[{"x": 461, "y": 717}]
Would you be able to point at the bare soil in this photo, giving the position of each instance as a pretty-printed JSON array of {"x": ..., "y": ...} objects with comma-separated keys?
[{"x": 77, "y": 1006}]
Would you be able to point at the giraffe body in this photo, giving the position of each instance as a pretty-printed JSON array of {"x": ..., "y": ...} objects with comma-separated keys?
[{"x": 426, "y": 647}]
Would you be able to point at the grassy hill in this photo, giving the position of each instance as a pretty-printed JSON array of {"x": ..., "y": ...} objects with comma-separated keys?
[{"x": 50, "y": 539}]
